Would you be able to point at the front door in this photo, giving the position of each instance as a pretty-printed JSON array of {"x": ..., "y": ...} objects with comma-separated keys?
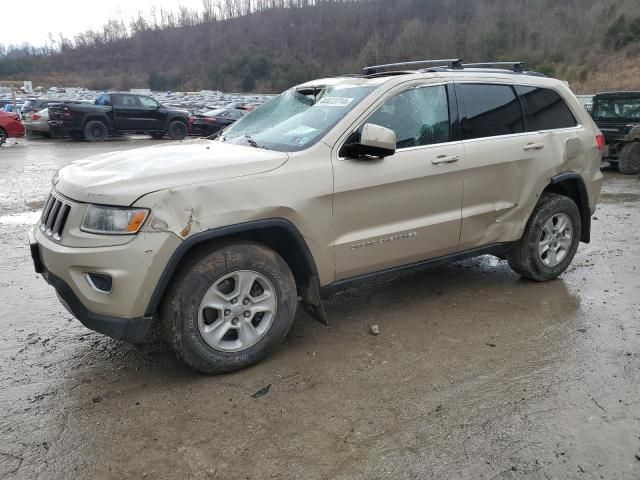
[{"x": 407, "y": 207}]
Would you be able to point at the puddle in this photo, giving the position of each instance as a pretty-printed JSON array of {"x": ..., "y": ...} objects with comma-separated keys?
[
  {"x": 620, "y": 197},
  {"x": 26, "y": 218}
]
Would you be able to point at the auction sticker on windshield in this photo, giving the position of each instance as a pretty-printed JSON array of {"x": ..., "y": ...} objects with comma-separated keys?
[{"x": 335, "y": 101}]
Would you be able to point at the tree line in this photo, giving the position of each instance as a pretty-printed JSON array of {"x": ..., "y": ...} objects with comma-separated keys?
[{"x": 269, "y": 45}]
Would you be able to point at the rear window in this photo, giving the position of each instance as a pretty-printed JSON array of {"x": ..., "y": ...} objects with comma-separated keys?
[
  {"x": 617, "y": 108},
  {"x": 490, "y": 110},
  {"x": 545, "y": 109}
]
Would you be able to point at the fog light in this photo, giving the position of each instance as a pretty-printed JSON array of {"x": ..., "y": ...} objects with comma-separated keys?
[{"x": 99, "y": 282}]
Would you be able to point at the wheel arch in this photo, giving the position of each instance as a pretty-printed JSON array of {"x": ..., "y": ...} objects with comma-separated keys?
[
  {"x": 180, "y": 118},
  {"x": 279, "y": 234},
  {"x": 101, "y": 118},
  {"x": 571, "y": 184}
]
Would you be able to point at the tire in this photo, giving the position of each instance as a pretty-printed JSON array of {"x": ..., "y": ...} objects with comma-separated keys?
[
  {"x": 3, "y": 136},
  {"x": 96, "y": 131},
  {"x": 190, "y": 327},
  {"x": 527, "y": 258},
  {"x": 629, "y": 159},
  {"x": 178, "y": 130},
  {"x": 158, "y": 135}
]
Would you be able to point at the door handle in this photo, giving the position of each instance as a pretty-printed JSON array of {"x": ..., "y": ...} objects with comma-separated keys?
[
  {"x": 534, "y": 146},
  {"x": 440, "y": 159}
]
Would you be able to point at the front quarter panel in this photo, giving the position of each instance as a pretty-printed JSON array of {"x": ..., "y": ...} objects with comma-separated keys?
[{"x": 299, "y": 191}]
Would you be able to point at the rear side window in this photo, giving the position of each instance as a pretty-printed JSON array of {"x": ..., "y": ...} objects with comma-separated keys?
[
  {"x": 545, "y": 109},
  {"x": 490, "y": 110}
]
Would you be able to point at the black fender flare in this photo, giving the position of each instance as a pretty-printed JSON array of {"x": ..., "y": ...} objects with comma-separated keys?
[
  {"x": 312, "y": 280},
  {"x": 180, "y": 118},
  {"x": 583, "y": 196},
  {"x": 97, "y": 116}
]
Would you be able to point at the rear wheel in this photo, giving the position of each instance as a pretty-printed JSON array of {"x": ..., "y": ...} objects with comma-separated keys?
[
  {"x": 629, "y": 159},
  {"x": 177, "y": 130},
  {"x": 96, "y": 131},
  {"x": 550, "y": 239},
  {"x": 229, "y": 307},
  {"x": 3, "y": 136}
]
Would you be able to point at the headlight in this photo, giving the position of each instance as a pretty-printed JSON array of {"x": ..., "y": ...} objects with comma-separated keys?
[{"x": 113, "y": 220}]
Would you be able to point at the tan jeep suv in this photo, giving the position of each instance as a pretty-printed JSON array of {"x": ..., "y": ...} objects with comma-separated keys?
[{"x": 212, "y": 243}]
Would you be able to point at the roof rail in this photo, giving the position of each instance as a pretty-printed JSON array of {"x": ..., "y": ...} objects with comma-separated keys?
[
  {"x": 453, "y": 63},
  {"x": 517, "y": 67}
]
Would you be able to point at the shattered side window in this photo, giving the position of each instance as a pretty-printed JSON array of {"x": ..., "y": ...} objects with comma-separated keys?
[{"x": 419, "y": 116}]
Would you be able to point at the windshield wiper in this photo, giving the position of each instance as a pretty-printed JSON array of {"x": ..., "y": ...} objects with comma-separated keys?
[{"x": 253, "y": 143}]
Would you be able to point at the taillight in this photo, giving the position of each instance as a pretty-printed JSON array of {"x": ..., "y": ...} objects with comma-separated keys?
[
  {"x": 600, "y": 142},
  {"x": 210, "y": 120},
  {"x": 35, "y": 116},
  {"x": 67, "y": 113}
]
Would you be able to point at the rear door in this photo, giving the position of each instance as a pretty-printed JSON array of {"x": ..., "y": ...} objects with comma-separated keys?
[
  {"x": 507, "y": 159},
  {"x": 404, "y": 208}
]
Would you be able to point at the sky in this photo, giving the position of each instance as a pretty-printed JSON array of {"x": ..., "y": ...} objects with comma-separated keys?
[{"x": 32, "y": 24}]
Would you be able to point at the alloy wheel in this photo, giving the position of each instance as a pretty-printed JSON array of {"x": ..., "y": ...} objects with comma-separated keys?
[
  {"x": 237, "y": 311},
  {"x": 555, "y": 240}
]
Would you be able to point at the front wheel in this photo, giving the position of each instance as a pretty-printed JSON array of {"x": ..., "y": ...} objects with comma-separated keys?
[
  {"x": 229, "y": 307},
  {"x": 178, "y": 130},
  {"x": 550, "y": 239}
]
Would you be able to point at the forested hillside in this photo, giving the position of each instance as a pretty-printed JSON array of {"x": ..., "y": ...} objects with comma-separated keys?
[{"x": 268, "y": 45}]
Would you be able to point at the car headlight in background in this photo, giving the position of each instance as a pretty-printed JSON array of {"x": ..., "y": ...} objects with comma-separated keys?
[{"x": 113, "y": 220}]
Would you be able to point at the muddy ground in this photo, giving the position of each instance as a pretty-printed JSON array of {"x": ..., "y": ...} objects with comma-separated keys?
[{"x": 475, "y": 373}]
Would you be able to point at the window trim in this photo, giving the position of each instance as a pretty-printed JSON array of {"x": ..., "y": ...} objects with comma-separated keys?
[{"x": 448, "y": 84}]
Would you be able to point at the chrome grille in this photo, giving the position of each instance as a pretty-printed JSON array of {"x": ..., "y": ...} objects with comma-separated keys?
[{"x": 54, "y": 216}]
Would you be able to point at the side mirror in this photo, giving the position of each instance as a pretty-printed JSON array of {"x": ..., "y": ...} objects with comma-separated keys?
[{"x": 375, "y": 141}]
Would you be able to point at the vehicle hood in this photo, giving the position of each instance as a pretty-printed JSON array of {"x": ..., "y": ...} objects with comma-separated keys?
[{"x": 120, "y": 178}]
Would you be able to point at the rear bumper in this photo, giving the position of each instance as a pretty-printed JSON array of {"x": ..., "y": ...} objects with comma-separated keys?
[{"x": 132, "y": 330}]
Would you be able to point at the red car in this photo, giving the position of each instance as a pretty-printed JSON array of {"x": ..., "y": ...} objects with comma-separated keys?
[{"x": 10, "y": 126}]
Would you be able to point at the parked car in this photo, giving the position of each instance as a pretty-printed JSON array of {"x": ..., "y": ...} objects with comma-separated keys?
[
  {"x": 236, "y": 105},
  {"x": 11, "y": 126},
  {"x": 208, "y": 123},
  {"x": 38, "y": 122},
  {"x": 211, "y": 243},
  {"x": 32, "y": 105},
  {"x": 618, "y": 116},
  {"x": 117, "y": 113}
]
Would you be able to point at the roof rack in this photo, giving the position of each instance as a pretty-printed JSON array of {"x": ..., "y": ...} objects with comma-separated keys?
[
  {"x": 517, "y": 67},
  {"x": 452, "y": 63}
]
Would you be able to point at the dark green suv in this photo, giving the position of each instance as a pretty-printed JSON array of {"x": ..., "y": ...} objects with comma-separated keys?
[{"x": 617, "y": 114}]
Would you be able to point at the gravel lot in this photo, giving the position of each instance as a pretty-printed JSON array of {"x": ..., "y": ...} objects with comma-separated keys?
[{"x": 475, "y": 373}]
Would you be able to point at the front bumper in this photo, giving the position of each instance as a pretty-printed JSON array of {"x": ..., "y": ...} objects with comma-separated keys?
[{"x": 120, "y": 314}]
